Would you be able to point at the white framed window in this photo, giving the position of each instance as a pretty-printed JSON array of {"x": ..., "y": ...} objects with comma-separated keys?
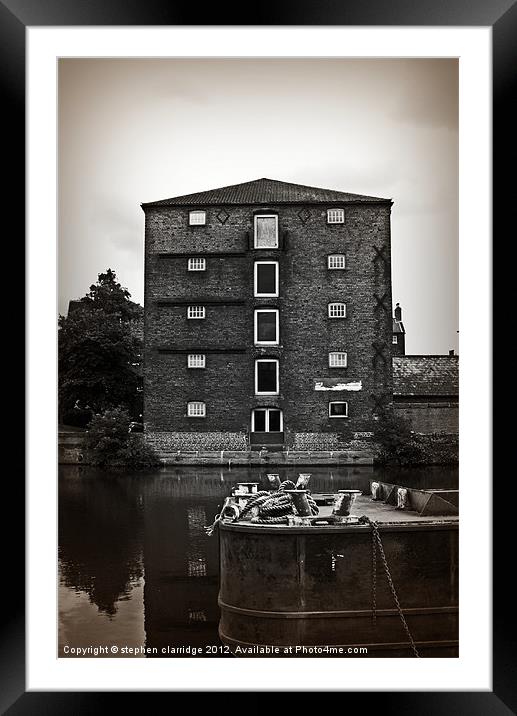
[
  {"x": 337, "y": 359},
  {"x": 266, "y": 231},
  {"x": 196, "y": 360},
  {"x": 395, "y": 340},
  {"x": 197, "y": 218},
  {"x": 337, "y": 310},
  {"x": 266, "y": 376},
  {"x": 197, "y": 264},
  {"x": 335, "y": 216},
  {"x": 196, "y": 409},
  {"x": 266, "y": 278},
  {"x": 338, "y": 409},
  {"x": 267, "y": 331},
  {"x": 195, "y": 312},
  {"x": 336, "y": 261}
]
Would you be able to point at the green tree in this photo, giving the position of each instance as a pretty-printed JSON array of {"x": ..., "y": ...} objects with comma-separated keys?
[{"x": 100, "y": 353}]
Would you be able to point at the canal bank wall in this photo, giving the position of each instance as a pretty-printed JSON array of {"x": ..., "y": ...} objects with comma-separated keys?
[{"x": 438, "y": 449}]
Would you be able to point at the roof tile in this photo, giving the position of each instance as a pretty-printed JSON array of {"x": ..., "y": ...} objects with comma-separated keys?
[
  {"x": 265, "y": 191},
  {"x": 433, "y": 375}
]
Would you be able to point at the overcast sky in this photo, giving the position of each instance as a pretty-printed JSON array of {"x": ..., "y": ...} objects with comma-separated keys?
[{"x": 132, "y": 131}]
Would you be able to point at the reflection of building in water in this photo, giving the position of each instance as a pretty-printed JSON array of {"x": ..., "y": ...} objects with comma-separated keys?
[
  {"x": 197, "y": 539},
  {"x": 181, "y": 566}
]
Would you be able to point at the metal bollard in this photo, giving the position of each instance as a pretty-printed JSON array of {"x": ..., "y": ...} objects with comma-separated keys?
[
  {"x": 344, "y": 501},
  {"x": 402, "y": 501},
  {"x": 274, "y": 481},
  {"x": 303, "y": 480},
  {"x": 376, "y": 491},
  {"x": 300, "y": 502}
]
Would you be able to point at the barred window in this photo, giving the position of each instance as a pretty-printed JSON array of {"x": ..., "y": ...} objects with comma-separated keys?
[
  {"x": 197, "y": 264},
  {"x": 395, "y": 340},
  {"x": 196, "y": 312},
  {"x": 337, "y": 359},
  {"x": 196, "y": 360},
  {"x": 336, "y": 261},
  {"x": 337, "y": 310},
  {"x": 335, "y": 216},
  {"x": 266, "y": 232},
  {"x": 197, "y": 218},
  {"x": 196, "y": 409},
  {"x": 338, "y": 409}
]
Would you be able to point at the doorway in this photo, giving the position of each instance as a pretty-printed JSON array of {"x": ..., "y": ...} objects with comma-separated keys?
[{"x": 267, "y": 426}]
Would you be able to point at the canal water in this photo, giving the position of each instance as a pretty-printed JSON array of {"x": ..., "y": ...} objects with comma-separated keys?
[{"x": 136, "y": 569}]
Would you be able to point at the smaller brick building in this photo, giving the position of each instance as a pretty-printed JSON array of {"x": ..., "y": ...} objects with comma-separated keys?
[{"x": 425, "y": 391}]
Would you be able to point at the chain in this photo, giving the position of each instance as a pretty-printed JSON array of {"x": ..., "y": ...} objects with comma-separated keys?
[
  {"x": 377, "y": 542},
  {"x": 374, "y": 578}
]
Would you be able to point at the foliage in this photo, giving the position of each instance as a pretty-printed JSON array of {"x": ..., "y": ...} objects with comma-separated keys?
[
  {"x": 110, "y": 444},
  {"x": 99, "y": 354},
  {"x": 398, "y": 444}
]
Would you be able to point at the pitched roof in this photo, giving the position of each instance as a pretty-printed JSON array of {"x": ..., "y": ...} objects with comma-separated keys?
[
  {"x": 425, "y": 375},
  {"x": 398, "y": 326},
  {"x": 265, "y": 191}
]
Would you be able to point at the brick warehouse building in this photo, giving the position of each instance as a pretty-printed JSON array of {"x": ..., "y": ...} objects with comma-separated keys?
[{"x": 268, "y": 318}]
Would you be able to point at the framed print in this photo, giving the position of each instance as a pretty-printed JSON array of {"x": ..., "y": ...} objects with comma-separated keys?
[{"x": 120, "y": 106}]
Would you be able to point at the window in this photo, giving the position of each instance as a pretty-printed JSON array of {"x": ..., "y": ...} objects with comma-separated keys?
[
  {"x": 266, "y": 232},
  {"x": 196, "y": 360},
  {"x": 266, "y": 278},
  {"x": 197, "y": 264},
  {"x": 338, "y": 409},
  {"x": 197, "y": 218},
  {"x": 266, "y": 326},
  {"x": 196, "y": 409},
  {"x": 335, "y": 216},
  {"x": 196, "y": 312},
  {"x": 267, "y": 420},
  {"x": 337, "y": 360},
  {"x": 337, "y": 310},
  {"x": 336, "y": 261},
  {"x": 395, "y": 340},
  {"x": 266, "y": 376}
]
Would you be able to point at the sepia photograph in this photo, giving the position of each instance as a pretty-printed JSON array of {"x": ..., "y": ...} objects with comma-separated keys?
[{"x": 258, "y": 358}]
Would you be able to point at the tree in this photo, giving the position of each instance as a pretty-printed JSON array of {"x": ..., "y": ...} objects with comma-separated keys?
[
  {"x": 100, "y": 353},
  {"x": 396, "y": 441},
  {"x": 110, "y": 444}
]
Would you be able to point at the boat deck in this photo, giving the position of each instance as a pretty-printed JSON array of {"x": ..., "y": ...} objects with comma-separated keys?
[{"x": 387, "y": 517}]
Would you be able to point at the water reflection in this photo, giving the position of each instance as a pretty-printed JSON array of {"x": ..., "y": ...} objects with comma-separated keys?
[{"x": 136, "y": 567}]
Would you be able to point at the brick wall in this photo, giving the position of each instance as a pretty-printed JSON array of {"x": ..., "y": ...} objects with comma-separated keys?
[
  {"x": 430, "y": 417},
  {"x": 306, "y": 333}
]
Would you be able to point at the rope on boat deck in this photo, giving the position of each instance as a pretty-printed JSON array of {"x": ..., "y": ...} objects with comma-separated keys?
[
  {"x": 273, "y": 508},
  {"x": 377, "y": 544}
]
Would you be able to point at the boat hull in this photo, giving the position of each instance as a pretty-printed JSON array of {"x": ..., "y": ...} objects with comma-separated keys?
[{"x": 289, "y": 587}]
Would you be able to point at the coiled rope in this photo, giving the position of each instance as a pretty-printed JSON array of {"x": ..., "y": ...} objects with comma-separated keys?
[{"x": 266, "y": 507}]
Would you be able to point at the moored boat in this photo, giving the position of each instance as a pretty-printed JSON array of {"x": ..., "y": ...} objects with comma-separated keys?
[{"x": 381, "y": 581}]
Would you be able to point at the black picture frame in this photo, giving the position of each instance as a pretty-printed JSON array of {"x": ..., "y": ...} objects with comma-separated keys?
[{"x": 15, "y": 16}]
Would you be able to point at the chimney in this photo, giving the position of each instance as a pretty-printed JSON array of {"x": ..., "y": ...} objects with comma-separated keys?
[
  {"x": 398, "y": 312},
  {"x": 451, "y": 352}
]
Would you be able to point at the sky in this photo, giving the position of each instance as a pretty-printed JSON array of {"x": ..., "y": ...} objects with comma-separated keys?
[{"x": 133, "y": 131}]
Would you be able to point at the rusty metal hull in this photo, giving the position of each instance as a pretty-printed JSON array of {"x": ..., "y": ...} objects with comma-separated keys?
[{"x": 312, "y": 586}]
